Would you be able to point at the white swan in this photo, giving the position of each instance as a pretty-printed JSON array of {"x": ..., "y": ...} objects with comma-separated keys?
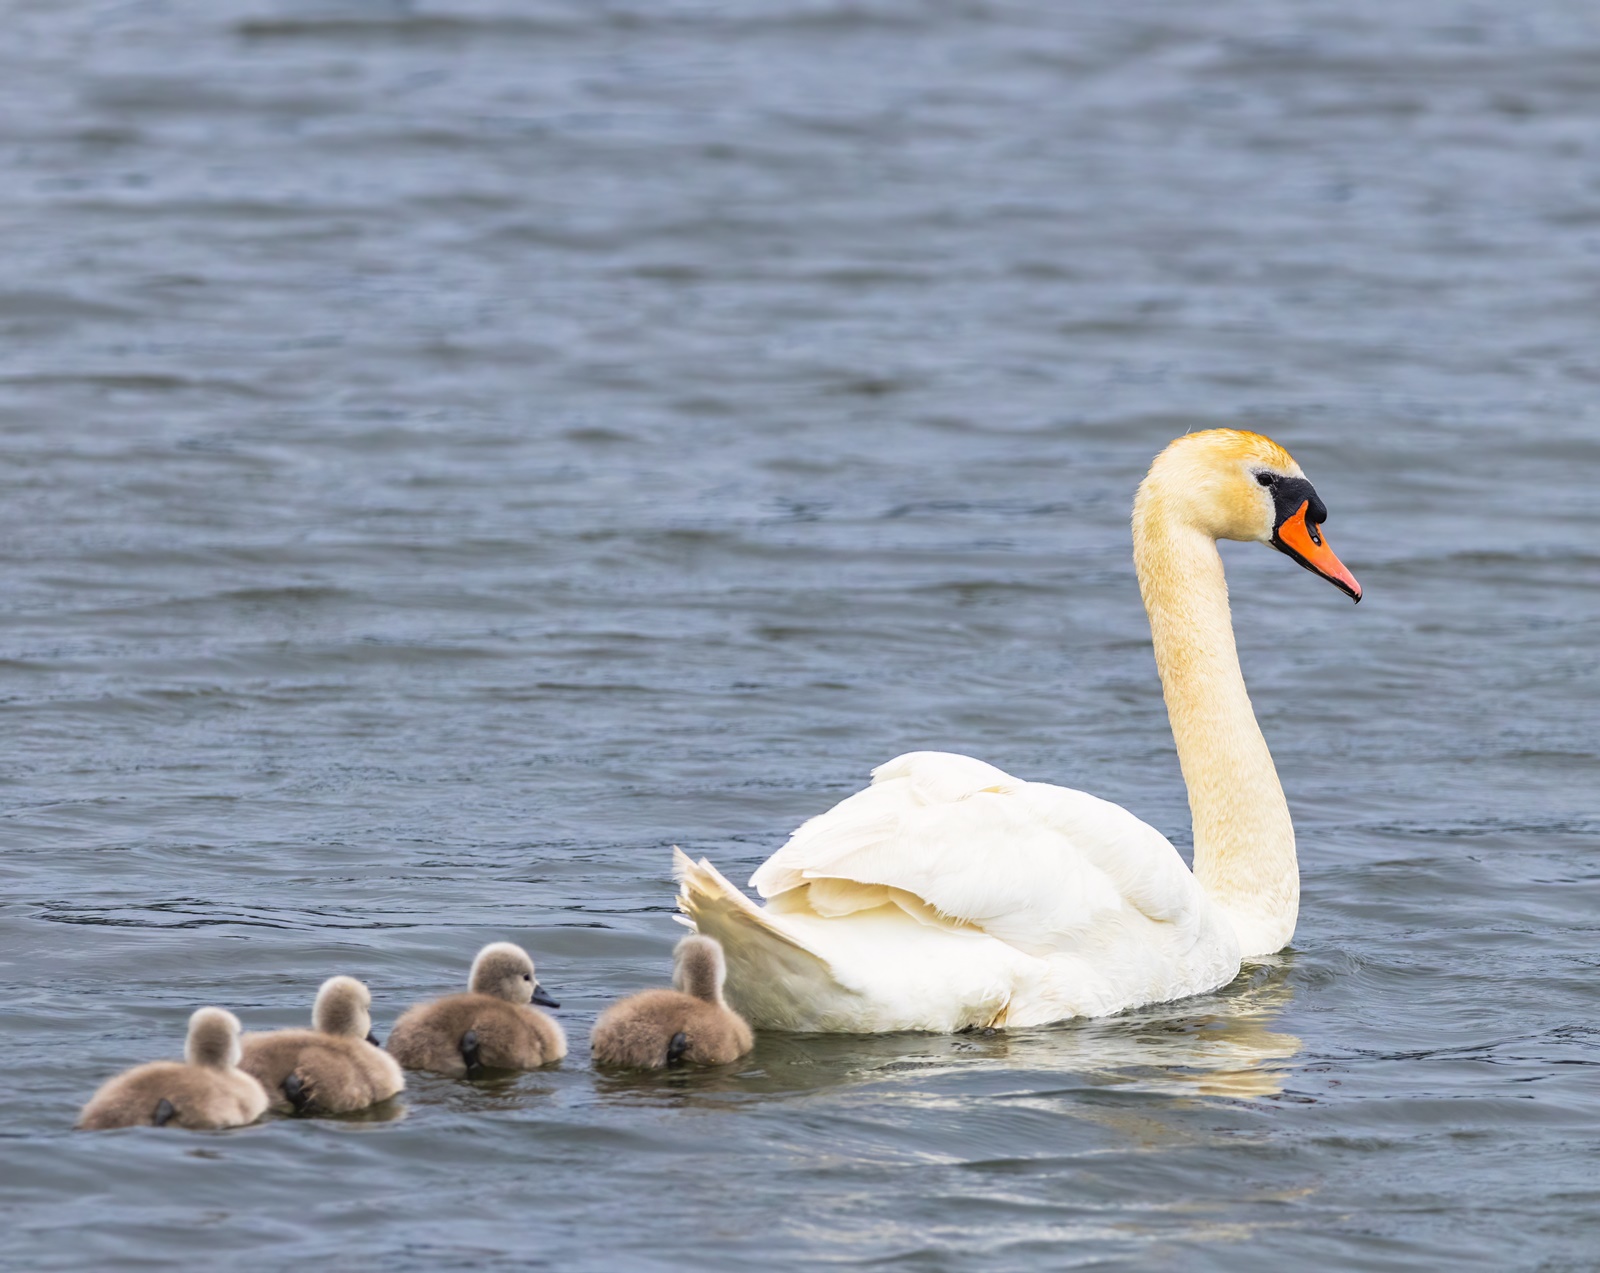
[{"x": 949, "y": 894}]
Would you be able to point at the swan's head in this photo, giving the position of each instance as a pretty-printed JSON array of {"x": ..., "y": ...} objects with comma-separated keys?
[
  {"x": 1232, "y": 484},
  {"x": 504, "y": 970},
  {"x": 213, "y": 1039},
  {"x": 344, "y": 1007}
]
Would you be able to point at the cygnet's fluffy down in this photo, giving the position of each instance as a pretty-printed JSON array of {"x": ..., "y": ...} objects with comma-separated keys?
[
  {"x": 334, "y": 1068},
  {"x": 493, "y": 1026},
  {"x": 690, "y": 1024},
  {"x": 204, "y": 1091}
]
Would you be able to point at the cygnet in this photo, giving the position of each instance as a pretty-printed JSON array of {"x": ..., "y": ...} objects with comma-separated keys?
[
  {"x": 206, "y": 1090},
  {"x": 690, "y": 1024},
  {"x": 491, "y": 1027},
  {"x": 334, "y": 1068}
]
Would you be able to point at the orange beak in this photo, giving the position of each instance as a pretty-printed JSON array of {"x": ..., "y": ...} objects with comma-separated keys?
[{"x": 1306, "y": 545}]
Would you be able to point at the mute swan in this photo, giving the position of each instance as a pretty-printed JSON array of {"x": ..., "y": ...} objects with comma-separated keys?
[
  {"x": 656, "y": 1028},
  {"x": 334, "y": 1068},
  {"x": 949, "y": 894},
  {"x": 492, "y": 1026},
  {"x": 206, "y": 1090}
]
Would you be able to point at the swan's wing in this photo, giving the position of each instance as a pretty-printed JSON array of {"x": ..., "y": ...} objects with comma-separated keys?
[{"x": 1039, "y": 867}]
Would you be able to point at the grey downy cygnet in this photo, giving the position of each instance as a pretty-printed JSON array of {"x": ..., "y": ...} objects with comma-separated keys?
[
  {"x": 206, "y": 1090},
  {"x": 690, "y": 1024},
  {"x": 493, "y": 1026},
  {"x": 334, "y": 1068}
]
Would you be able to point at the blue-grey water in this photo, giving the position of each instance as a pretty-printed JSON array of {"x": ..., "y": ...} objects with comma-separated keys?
[{"x": 454, "y": 451}]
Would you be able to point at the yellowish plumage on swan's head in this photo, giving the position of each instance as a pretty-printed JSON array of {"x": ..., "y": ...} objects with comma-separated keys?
[
  {"x": 1233, "y": 484},
  {"x": 1208, "y": 480}
]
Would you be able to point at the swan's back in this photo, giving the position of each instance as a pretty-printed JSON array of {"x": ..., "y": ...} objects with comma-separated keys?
[{"x": 1026, "y": 862}]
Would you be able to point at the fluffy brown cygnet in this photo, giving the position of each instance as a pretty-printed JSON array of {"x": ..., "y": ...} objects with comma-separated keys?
[
  {"x": 492, "y": 1026},
  {"x": 334, "y": 1068},
  {"x": 205, "y": 1090},
  {"x": 690, "y": 1024}
]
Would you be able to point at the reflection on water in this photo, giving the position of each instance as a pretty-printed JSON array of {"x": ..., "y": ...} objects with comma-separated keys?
[
  {"x": 389, "y": 1111},
  {"x": 1223, "y": 1044},
  {"x": 498, "y": 1090}
]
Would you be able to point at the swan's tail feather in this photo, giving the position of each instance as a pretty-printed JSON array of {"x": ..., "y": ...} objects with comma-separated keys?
[
  {"x": 773, "y": 976},
  {"x": 711, "y": 904}
]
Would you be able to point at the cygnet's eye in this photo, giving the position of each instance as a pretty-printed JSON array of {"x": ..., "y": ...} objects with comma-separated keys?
[
  {"x": 527, "y": 976},
  {"x": 1266, "y": 479}
]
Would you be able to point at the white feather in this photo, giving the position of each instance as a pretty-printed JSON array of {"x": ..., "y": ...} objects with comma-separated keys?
[{"x": 949, "y": 894}]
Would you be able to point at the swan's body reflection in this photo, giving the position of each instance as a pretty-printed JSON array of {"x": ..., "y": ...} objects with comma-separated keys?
[{"x": 1222, "y": 1045}]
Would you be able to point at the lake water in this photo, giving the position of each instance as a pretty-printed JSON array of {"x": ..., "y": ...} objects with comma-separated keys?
[{"x": 453, "y": 452}]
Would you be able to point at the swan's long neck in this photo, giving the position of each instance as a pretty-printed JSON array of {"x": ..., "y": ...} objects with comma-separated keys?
[{"x": 1243, "y": 840}]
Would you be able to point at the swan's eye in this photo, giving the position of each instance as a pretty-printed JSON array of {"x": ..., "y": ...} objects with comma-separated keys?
[
  {"x": 1266, "y": 479},
  {"x": 527, "y": 976}
]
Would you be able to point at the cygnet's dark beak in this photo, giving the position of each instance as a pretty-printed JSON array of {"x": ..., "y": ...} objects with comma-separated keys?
[
  {"x": 372, "y": 1038},
  {"x": 542, "y": 999}
]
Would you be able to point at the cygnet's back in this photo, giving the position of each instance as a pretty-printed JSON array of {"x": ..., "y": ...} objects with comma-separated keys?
[
  {"x": 492, "y": 1026},
  {"x": 334, "y": 1068},
  {"x": 690, "y": 1024},
  {"x": 206, "y": 1090}
]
